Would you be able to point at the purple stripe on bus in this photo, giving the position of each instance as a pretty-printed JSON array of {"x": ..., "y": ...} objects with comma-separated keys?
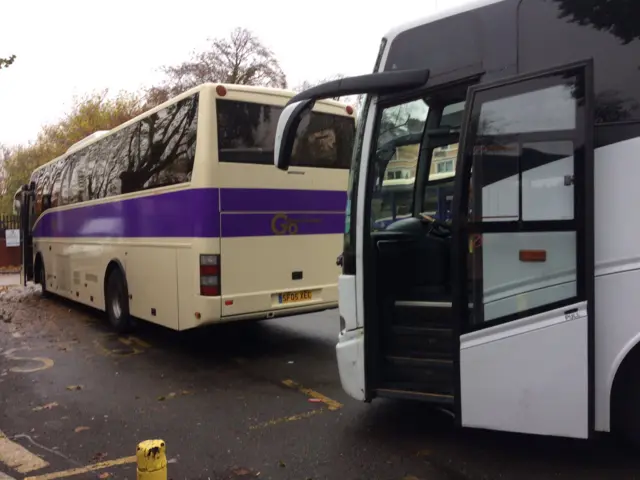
[
  {"x": 268, "y": 224},
  {"x": 195, "y": 213},
  {"x": 186, "y": 213},
  {"x": 277, "y": 200}
]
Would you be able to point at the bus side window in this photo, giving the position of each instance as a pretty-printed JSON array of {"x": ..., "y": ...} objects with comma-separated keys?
[
  {"x": 43, "y": 188},
  {"x": 59, "y": 169}
]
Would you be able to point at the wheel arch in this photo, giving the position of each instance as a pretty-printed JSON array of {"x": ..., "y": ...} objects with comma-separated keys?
[
  {"x": 620, "y": 387},
  {"x": 38, "y": 262},
  {"x": 114, "y": 265}
]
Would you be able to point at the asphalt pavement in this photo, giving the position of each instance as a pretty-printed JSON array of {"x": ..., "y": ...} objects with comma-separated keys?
[{"x": 247, "y": 400}]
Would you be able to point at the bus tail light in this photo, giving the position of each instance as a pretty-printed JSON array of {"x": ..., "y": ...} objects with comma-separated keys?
[{"x": 210, "y": 275}]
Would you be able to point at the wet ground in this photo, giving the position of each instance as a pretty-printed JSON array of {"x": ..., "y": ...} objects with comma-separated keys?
[{"x": 254, "y": 400}]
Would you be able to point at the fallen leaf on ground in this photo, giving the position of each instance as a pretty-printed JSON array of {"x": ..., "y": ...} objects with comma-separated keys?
[
  {"x": 104, "y": 475},
  {"x": 98, "y": 457},
  {"x": 240, "y": 471},
  {"x": 80, "y": 429},
  {"x": 162, "y": 398},
  {"x": 48, "y": 406},
  {"x": 74, "y": 387}
]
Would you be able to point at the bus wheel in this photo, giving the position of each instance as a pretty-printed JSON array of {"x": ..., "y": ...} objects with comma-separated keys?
[
  {"x": 625, "y": 417},
  {"x": 42, "y": 276},
  {"x": 117, "y": 302}
]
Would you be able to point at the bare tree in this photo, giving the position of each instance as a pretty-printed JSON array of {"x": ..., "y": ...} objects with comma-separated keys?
[
  {"x": 307, "y": 84},
  {"x": 6, "y": 62},
  {"x": 241, "y": 58},
  {"x": 353, "y": 100},
  {"x": 616, "y": 17}
]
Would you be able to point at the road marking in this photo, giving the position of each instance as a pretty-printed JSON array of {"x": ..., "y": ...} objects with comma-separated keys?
[
  {"x": 45, "y": 362},
  {"x": 136, "y": 345},
  {"x": 131, "y": 339},
  {"x": 88, "y": 468},
  {"x": 331, "y": 404},
  {"x": 18, "y": 458},
  {"x": 292, "y": 418}
]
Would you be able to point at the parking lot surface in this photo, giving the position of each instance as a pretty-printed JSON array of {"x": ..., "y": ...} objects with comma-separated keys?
[{"x": 246, "y": 400}]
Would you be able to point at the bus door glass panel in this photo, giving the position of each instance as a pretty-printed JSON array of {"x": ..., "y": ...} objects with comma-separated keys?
[
  {"x": 524, "y": 348},
  {"x": 400, "y": 130}
]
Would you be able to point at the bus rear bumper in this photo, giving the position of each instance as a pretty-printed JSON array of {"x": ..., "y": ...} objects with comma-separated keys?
[
  {"x": 350, "y": 353},
  {"x": 281, "y": 312}
]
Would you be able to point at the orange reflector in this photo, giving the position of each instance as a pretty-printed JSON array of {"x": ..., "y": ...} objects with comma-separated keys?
[
  {"x": 220, "y": 90},
  {"x": 533, "y": 255},
  {"x": 228, "y": 302},
  {"x": 198, "y": 315}
]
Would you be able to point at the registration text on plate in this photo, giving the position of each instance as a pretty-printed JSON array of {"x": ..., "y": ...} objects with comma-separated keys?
[{"x": 294, "y": 297}]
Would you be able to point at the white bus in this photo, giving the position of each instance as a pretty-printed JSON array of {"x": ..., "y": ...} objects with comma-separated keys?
[
  {"x": 521, "y": 313},
  {"x": 178, "y": 217}
]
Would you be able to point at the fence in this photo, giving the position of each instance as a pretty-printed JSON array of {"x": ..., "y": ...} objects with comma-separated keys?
[{"x": 10, "y": 257}]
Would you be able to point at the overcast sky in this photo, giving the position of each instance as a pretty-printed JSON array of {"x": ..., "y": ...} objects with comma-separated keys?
[{"x": 72, "y": 47}]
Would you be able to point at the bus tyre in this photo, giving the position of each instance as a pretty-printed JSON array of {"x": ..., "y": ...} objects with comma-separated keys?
[
  {"x": 625, "y": 415},
  {"x": 42, "y": 276},
  {"x": 117, "y": 302}
]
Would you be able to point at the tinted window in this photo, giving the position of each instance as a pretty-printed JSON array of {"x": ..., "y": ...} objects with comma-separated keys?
[
  {"x": 160, "y": 150},
  {"x": 157, "y": 151},
  {"x": 475, "y": 41},
  {"x": 522, "y": 140},
  {"x": 604, "y": 30},
  {"x": 69, "y": 190},
  {"x": 57, "y": 172},
  {"x": 517, "y": 176},
  {"x": 246, "y": 134},
  {"x": 43, "y": 189}
]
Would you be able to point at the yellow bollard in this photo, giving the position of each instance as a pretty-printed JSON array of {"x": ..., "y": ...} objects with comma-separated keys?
[{"x": 152, "y": 460}]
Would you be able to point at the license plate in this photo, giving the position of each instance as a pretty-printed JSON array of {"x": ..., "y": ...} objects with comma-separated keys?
[{"x": 295, "y": 297}]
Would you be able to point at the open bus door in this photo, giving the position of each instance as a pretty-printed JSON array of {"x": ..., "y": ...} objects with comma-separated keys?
[
  {"x": 27, "y": 213},
  {"x": 526, "y": 324}
]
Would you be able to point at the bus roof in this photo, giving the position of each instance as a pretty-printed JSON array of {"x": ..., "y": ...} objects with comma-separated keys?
[
  {"x": 439, "y": 15},
  {"x": 276, "y": 92}
]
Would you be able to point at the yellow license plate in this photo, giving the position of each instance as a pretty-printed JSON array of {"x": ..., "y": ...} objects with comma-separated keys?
[{"x": 295, "y": 297}]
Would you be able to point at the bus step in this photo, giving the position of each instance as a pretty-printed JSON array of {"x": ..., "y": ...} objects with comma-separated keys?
[
  {"x": 434, "y": 398},
  {"x": 422, "y": 314},
  {"x": 416, "y": 342},
  {"x": 418, "y": 374}
]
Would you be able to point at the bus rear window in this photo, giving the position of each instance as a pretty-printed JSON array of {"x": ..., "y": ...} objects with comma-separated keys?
[{"x": 246, "y": 134}]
